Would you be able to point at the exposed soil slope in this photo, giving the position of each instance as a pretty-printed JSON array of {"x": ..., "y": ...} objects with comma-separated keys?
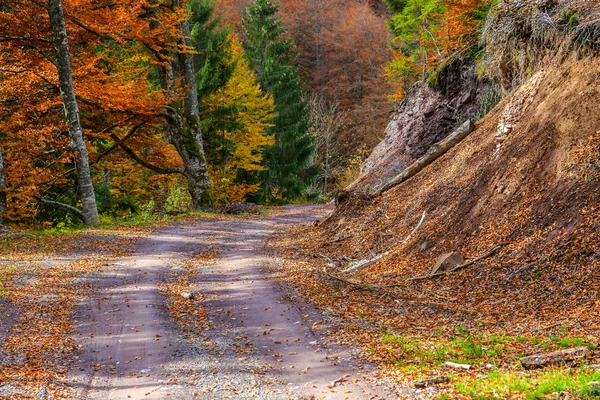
[{"x": 528, "y": 176}]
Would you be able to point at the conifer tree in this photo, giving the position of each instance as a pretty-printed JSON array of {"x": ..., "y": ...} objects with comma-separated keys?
[
  {"x": 237, "y": 118},
  {"x": 271, "y": 56},
  {"x": 211, "y": 42}
]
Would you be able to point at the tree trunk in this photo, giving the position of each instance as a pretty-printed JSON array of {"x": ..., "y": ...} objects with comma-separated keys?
[
  {"x": 183, "y": 130},
  {"x": 3, "y": 208},
  {"x": 435, "y": 152},
  {"x": 67, "y": 90}
]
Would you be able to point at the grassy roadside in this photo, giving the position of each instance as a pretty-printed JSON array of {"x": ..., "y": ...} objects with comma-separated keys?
[{"x": 494, "y": 372}]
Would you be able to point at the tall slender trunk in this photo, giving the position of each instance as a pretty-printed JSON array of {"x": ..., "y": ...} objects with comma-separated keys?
[
  {"x": 196, "y": 171},
  {"x": 183, "y": 129},
  {"x": 67, "y": 91},
  {"x": 317, "y": 31},
  {"x": 3, "y": 208}
]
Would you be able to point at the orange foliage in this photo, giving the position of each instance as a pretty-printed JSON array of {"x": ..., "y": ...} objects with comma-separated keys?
[
  {"x": 458, "y": 29},
  {"x": 343, "y": 48},
  {"x": 114, "y": 51}
]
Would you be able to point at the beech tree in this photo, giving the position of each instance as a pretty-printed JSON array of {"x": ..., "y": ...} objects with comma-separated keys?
[
  {"x": 67, "y": 91},
  {"x": 183, "y": 120},
  {"x": 123, "y": 111}
]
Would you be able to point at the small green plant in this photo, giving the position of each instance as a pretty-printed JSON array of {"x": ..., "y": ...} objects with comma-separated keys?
[
  {"x": 391, "y": 338},
  {"x": 178, "y": 200},
  {"x": 472, "y": 348},
  {"x": 461, "y": 329},
  {"x": 570, "y": 17},
  {"x": 571, "y": 342}
]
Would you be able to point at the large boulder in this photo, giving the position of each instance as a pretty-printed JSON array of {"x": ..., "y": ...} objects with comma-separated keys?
[{"x": 425, "y": 116}]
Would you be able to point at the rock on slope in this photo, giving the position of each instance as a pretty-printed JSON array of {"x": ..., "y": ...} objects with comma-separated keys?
[{"x": 424, "y": 117}]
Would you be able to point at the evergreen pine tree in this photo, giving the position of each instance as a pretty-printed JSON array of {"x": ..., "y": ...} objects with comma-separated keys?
[
  {"x": 271, "y": 56},
  {"x": 211, "y": 41}
]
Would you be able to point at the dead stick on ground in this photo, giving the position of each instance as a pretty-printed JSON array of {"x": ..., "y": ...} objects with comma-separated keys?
[
  {"x": 416, "y": 228},
  {"x": 365, "y": 263},
  {"x": 358, "y": 284},
  {"x": 543, "y": 328},
  {"x": 490, "y": 253}
]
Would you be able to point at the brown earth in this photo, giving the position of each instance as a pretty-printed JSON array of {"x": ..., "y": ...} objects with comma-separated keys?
[{"x": 536, "y": 188}]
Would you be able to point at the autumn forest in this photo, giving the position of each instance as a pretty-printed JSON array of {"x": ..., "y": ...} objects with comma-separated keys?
[
  {"x": 152, "y": 107},
  {"x": 299, "y": 199}
]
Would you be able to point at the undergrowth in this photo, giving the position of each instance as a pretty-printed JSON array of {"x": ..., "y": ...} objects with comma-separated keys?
[{"x": 499, "y": 384}]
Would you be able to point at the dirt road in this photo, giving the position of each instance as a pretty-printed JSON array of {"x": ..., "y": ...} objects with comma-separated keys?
[{"x": 257, "y": 341}]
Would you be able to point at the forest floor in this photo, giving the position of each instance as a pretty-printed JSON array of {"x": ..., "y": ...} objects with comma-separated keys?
[{"x": 185, "y": 310}]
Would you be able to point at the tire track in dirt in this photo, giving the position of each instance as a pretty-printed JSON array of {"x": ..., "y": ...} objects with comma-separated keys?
[{"x": 256, "y": 343}]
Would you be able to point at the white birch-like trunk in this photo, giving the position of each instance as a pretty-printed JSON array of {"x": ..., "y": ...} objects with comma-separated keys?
[
  {"x": 3, "y": 207},
  {"x": 67, "y": 90}
]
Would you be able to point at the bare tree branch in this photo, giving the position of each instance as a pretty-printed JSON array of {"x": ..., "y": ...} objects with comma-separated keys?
[
  {"x": 58, "y": 203},
  {"x": 143, "y": 162}
]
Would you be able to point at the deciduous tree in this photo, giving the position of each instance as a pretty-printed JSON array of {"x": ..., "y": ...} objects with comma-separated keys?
[
  {"x": 238, "y": 116},
  {"x": 67, "y": 91}
]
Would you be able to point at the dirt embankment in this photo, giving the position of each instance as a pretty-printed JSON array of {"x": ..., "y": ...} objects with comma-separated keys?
[
  {"x": 529, "y": 177},
  {"x": 536, "y": 190}
]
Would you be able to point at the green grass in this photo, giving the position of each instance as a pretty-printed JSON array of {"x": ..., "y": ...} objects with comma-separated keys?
[
  {"x": 140, "y": 219},
  {"x": 417, "y": 354},
  {"x": 502, "y": 384}
]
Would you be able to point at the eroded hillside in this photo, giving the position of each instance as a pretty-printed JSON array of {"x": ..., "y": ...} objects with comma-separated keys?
[{"x": 526, "y": 179}]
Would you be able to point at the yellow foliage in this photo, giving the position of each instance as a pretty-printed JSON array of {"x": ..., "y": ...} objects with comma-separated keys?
[{"x": 243, "y": 114}]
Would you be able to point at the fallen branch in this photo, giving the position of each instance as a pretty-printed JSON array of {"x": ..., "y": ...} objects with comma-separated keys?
[
  {"x": 58, "y": 203},
  {"x": 359, "y": 285},
  {"x": 456, "y": 365},
  {"x": 566, "y": 356},
  {"x": 435, "y": 152},
  {"x": 428, "y": 382},
  {"x": 490, "y": 253},
  {"x": 365, "y": 263},
  {"x": 518, "y": 271},
  {"x": 416, "y": 228},
  {"x": 543, "y": 328},
  {"x": 347, "y": 282}
]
